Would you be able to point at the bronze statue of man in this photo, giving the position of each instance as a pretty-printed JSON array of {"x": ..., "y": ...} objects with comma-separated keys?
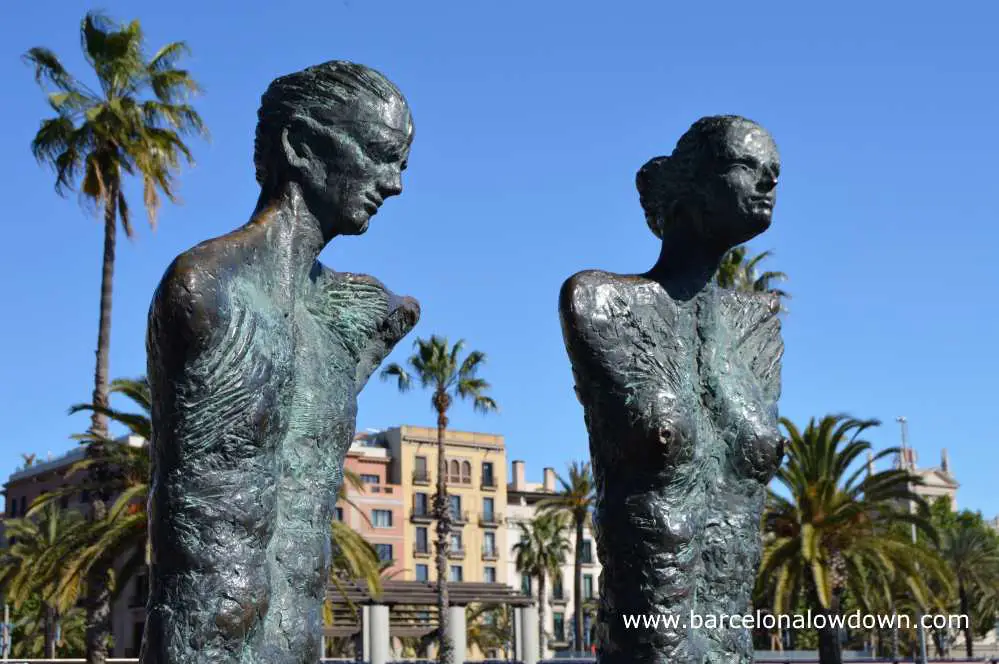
[
  {"x": 256, "y": 355},
  {"x": 679, "y": 382}
]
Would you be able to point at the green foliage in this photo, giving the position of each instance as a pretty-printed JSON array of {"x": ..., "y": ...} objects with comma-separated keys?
[
  {"x": 438, "y": 366},
  {"x": 738, "y": 272},
  {"x": 836, "y": 532},
  {"x": 576, "y": 499},
  {"x": 540, "y": 553}
]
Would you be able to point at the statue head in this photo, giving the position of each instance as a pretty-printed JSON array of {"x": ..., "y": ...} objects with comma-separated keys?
[
  {"x": 721, "y": 180},
  {"x": 342, "y": 131}
]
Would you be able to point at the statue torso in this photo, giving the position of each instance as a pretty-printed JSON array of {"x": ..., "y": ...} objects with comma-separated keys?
[{"x": 680, "y": 402}]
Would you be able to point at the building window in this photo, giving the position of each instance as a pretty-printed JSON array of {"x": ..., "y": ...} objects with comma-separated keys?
[
  {"x": 371, "y": 479},
  {"x": 24, "y": 505},
  {"x": 489, "y": 574},
  {"x": 489, "y": 543},
  {"x": 420, "y": 504},
  {"x": 85, "y": 496},
  {"x": 525, "y": 584},
  {"x": 140, "y": 595},
  {"x": 338, "y": 514},
  {"x": 466, "y": 472},
  {"x": 558, "y": 592},
  {"x": 455, "y": 507},
  {"x": 488, "y": 509},
  {"x": 381, "y": 518},
  {"x": 456, "y": 541},
  {"x": 422, "y": 543},
  {"x": 587, "y": 586},
  {"x": 456, "y": 573},
  {"x": 384, "y": 552},
  {"x": 422, "y": 573},
  {"x": 454, "y": 475},
  {"x": 11, "y": 507},
  {"x": 488, "y": 479},
  {"x": 558, "y": 619},
  {"x": 420, "y": 473},
  {"x": 587, "y": 551},
  {"x": 64, "y": 501}
]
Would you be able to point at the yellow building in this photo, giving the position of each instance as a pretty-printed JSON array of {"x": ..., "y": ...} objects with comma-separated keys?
[{"x": 476, "y": 485}]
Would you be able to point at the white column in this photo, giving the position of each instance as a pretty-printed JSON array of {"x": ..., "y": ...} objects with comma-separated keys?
[
  {"x": 528, "y": 634},
  {"x": 378, "y": 634},
  {"x": 518, "y": 629},
  {"x": 365, "y": 639},
  {"x": 457, "y": 630}
]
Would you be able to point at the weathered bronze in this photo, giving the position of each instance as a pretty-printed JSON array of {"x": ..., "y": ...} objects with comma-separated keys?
[
  {"x": 256, "y": 355},
  {"x": 679, "y": 381}
]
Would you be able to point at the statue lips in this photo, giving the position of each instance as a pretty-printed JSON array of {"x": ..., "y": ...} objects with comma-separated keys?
[{"x": 372, "y": 202}]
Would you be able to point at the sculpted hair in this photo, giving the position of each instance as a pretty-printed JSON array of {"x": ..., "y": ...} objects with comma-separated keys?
[
  {"x": 665, "y": 181},
  {"x": 312, "y": 100}
]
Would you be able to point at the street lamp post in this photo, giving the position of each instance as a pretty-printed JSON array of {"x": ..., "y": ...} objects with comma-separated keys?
[{"x": 909, "y": 463}]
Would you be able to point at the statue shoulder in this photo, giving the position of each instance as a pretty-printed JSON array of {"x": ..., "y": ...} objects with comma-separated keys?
[
  {"x": 583, "y": 291},
  {"x": 188, "y": 301}
]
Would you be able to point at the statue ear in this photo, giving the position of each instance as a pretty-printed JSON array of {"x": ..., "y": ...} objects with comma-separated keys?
[{"x": 296, "y": 152}]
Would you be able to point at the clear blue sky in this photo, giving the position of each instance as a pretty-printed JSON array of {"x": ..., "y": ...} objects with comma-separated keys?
[{"x": 531, "y": 120}]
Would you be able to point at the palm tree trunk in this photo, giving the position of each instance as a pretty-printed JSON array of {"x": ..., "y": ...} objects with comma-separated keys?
[
  {"x": 445, "y": 653},
  {"x": 98, "y": 600},
  {"x": 962, "y": 594},
  {"x": 50, "y": 632},
  {"x": 577, "y": 584},
  {"x": 98, "y": 603},
  {"x": 541, "y": 616},
  {"x": 98, "y": 421}
]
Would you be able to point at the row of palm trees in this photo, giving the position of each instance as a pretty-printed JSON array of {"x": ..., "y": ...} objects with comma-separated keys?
[{"x": 837, "y": 538}]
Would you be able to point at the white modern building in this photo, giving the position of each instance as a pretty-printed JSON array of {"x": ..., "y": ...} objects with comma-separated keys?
[{"x": 522, "y": 504}]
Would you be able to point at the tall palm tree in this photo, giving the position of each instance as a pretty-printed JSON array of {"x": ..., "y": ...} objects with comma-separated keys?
[
  {"x": 28, "y": 568},
  {"x": 576, "y": 499},
  {"x": 438, "y": 366},
  {"x": 131, "y": 123},
  {"x": 741, "y": 273},
  {"x": 540, "y": 553},
  {"x": 971, "y": 551},
  {"x": 834, "y": 531}
]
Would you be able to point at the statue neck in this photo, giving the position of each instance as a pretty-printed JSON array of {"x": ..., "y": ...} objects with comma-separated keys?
[
  {"x": 293, "y": 233},
  {"x": 687, "y": 263}
]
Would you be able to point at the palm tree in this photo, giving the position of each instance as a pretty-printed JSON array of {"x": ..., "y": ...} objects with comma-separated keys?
[
  {"x": 131, "y": 123},
  {"x": 489, "y": 627},
  {"x": 439, "y": 367},
  {"x": 971, "y": 551},
  {"x": 576, "y": 499},
  {"x": 100, "y": 134},
  {"x": 738, "y": 273},
  {"x": 834, "y": 532},
  {"x": 28, "y": 568},
  {"x": 541, "y": 553}
]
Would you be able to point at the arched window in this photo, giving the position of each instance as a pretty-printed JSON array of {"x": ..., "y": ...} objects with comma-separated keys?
[
  {"x": 455, "y": 473},
  {"x": 466, "y": 472}
]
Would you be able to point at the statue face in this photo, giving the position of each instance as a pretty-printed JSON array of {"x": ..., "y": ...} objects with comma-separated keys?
[
  {"x": 360, "y": 166},
  {"x": 740, "y": 198}
]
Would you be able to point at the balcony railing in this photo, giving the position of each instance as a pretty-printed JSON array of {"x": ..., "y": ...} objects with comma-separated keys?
[
  {"x": 378, "y": 488},
  {"x": 421, "y": 477},
  {"x": 488, "y": 482},
  {"x": 421, "y": 516},
  {"x": 459, "y": 517},
  {"x": 421, "y": 551},
  {"x": 559, "y": 598},
  {"x": 456, "y": 554},
  {"x": 490, "y": 553},
  {"x": 490, "y": 519}
]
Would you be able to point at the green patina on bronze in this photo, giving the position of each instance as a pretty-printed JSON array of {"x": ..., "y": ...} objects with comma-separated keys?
[
  {"x": 257, "y": 353},
  {"x": 679, "y": 381}
]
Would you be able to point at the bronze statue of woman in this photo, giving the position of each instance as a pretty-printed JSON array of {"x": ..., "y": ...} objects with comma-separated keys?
[
  {"x": 679, "y": 382},
  {"x": 256, "y": 355}
]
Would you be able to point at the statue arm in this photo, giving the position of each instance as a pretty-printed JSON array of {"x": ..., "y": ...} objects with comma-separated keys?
[{"x": 404, "y": 313}]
